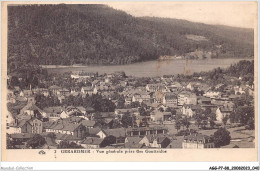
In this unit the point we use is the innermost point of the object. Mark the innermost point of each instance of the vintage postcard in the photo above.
(129, 81)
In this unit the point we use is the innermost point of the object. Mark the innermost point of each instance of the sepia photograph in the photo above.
(129, 77)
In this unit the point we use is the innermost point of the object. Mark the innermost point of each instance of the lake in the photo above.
(151, 68)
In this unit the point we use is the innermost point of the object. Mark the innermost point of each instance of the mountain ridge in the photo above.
(98, 34)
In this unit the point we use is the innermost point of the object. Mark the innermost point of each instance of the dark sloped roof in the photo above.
(73, 119)
(88, 123)
(176, 143)
(21, 135)
(134, 139)
(158, 137)
(93, 131)
(22, 123)
(62, 125)
(54, 109)
(133, 145)
(225, 109)
(197, 137)
(118, 132)
(92, 141)
(67, 137)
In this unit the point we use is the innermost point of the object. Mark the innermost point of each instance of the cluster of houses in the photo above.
(81, 126)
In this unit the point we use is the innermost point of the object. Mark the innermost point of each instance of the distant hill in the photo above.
(97, 34)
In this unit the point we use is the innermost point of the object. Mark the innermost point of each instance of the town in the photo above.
(79, 109)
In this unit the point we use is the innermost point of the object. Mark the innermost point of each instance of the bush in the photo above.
(221, 137)
(36, 141)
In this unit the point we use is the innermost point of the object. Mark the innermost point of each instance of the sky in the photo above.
(238, 14)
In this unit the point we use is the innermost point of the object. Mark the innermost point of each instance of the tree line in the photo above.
(97, 34)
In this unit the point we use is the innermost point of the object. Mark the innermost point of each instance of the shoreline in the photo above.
(137, 63)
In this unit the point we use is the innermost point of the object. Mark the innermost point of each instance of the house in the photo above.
(73, 119)
(156, 141)
(54, 89)
(170, 100)
(133, 142)
(9, 118)
(222, 112)
(203, 87)
(82, 109)
(72, 111)
(87, 90)
(142, 121)
(109, 95)
(197, 141)
(77, 130)
(204, 100)
(176, 142)
(239, 90)
(82, 74)
(193, 85)
(190, 110)
(61, 98)
(212, 94)
(26, 93)
(158, 116)
(121, 112)
(20, 99)
(20, 126)
(157, 97)
(54, 112)
(37, 126)
(17, 89)
(92, 143)
(74, 90)
(220, 86)
(43, 91)
(95, 82)
(175, 86)
(20, 139)
(93, 131)
(187, 98)
(63, 92)
(141, 97)
(142, 131)
(128, 101)
(250, 91)
(10, 96)
(32, 110)
(145, 141)
(68, 137)
(154, 87)
(89, 110)
(103, 88)
(156, 106)
(118, 133)
(89, 123)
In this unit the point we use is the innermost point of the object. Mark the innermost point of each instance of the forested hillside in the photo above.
(97, 34)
